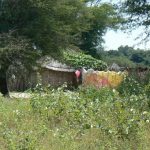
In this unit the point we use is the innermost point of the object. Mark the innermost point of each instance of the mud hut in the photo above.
(56, 73)
(49, 72)
(114, 67)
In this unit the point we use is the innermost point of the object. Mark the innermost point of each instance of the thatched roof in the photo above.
(114, 67)
(52, 64)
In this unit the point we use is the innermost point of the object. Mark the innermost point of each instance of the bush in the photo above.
(79, 60)
(147, 90)
(90, 108)
(130, 87)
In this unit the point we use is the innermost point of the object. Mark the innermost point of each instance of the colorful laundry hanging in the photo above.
(102, 79)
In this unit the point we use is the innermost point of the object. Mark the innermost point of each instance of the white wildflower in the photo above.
(110, 131)
(114, 90)
(145, 112)
(131, 109)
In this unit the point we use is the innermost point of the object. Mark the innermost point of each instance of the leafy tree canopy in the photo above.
(127, 56)
(137, 15)
(49, 24)
(104, 16)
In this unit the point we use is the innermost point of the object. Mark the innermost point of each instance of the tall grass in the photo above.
(86, 119)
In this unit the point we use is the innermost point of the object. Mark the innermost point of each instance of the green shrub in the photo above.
(130, 86)
(91, 108)
(147, 90)
(79, 60)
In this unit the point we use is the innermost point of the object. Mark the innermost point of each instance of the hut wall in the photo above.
(22, 82)
(57, 78)
(141, 74)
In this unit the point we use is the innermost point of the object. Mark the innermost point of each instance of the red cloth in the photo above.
(77, 73)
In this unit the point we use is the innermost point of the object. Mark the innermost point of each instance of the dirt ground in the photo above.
(20, 95)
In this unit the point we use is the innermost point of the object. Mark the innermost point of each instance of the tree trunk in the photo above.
(3, 84)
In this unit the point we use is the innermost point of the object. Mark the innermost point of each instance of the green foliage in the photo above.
(48, 24)
(130, 87)
(86, 110)
(127, 56)
(147, 89)
(136, 9)
(16, 51)
(137, 12)
(84, 119)
(103, 17)
(120, 60)
(79, 60)
(15, 126)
